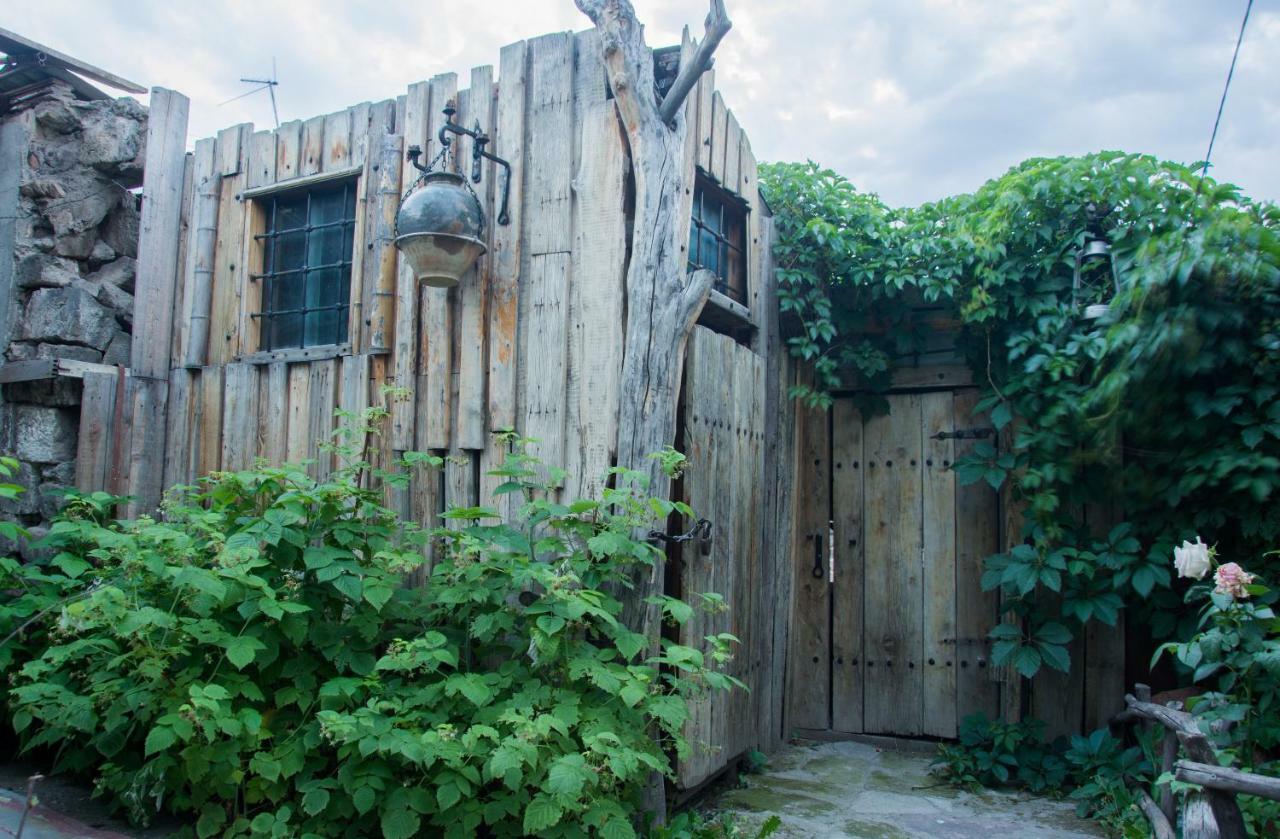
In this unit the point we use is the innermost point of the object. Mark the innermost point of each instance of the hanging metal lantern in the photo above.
(440, 223)
(439, 228)
(1094, 257)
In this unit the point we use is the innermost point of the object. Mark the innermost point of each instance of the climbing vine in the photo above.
(1166, 407)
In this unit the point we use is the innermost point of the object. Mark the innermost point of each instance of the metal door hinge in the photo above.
(964, 434)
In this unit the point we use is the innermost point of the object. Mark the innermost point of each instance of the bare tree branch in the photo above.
(716, 26)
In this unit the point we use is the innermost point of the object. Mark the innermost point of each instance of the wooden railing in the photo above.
(1212, 812)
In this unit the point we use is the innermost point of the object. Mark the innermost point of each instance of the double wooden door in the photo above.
(891, 621)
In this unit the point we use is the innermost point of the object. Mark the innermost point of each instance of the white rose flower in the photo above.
(1192, 559)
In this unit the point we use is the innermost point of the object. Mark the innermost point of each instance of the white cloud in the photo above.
(944, 93)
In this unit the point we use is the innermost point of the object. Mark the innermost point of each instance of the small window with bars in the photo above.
(306, 258)
(717, 237)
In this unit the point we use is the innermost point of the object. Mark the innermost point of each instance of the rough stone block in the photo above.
(68, 315)
(44, 435)
(58, 392)
(51, 498)
(101, 254)
(28, 502)
(109, 141)
(39, 270)
(75, 352)
(119, 350)
(60, 473)
(120, 230)
(120, 272)
(76, 245)
(119, 300)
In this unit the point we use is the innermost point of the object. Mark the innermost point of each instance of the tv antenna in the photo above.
(268, 85)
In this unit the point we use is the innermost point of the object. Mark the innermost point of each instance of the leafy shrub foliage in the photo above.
(256, 660)
(1097, 769)
(1168, 405)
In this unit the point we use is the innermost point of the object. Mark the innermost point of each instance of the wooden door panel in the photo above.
(938, 521)
(847, 677)
(893, 640)
(977, 611)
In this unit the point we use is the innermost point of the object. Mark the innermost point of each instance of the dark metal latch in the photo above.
(965, 434)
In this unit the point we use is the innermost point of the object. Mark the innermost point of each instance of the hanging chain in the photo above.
(442, 158)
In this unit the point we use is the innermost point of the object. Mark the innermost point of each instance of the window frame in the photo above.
(738, 210)
(263, 202)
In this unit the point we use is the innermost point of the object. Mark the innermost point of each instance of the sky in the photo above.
(911, 99)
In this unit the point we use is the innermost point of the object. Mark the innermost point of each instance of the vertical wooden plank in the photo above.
(505, 262)
(893, 641)
(810, 661)
(757, 256)
(288, 150)
(178, 444)
(509, 142)
(405, 354)
(273, 417)
(93, 446)
(846, 617)
(435, 332)
(599, 256)
(180, 331)
(354, 397)
(470, 337)
(158, 234)
(939, 527)
(706, 118)
(459, 483)
(231, 149)
(1013, 519)
(148, 402)
(250, 328)
(719, 129)
(262, 159)
(977, 611)
(337, 141)
(311, 154)
(695, 570)
(209, 421)
(362, 116)
(229, 276)
(379, 266)
(298, 440)
(203, 238)
(239, 416)
(732, 159)
(320, 417)
(548, 234)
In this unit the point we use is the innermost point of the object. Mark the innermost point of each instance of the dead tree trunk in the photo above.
(663, 298)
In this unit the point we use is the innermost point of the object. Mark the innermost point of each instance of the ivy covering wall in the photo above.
(1166, 406)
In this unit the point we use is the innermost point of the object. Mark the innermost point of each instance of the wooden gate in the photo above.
(906, 631)
(723, 420)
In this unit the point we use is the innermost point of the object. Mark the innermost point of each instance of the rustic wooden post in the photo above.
(157, 282)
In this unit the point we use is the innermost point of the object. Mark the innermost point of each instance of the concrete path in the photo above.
(857, 790)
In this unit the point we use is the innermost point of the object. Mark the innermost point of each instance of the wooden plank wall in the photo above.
(724, 439)
(528, 341)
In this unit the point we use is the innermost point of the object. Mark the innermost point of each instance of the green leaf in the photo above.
(241, 651)
(617, 828)
(400, 823)
(551, 624)
(364, 798)
(541, 813)
(566, 776)
(158, 739)
(314, 802)
(349, 585)
(447, 795)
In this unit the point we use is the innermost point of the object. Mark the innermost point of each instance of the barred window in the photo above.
(307, 265)
(717, 236)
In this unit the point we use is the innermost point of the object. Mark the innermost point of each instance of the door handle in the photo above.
(818, 570)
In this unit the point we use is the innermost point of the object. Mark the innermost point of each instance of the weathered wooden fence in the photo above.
(530, 341)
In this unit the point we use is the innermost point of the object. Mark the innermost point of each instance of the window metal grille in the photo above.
(717, 236)
(307, 252)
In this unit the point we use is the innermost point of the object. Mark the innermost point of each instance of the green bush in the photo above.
(255, 660)
(1166, 407)
(1096, 769)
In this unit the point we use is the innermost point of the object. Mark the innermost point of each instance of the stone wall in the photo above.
(75, 245)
